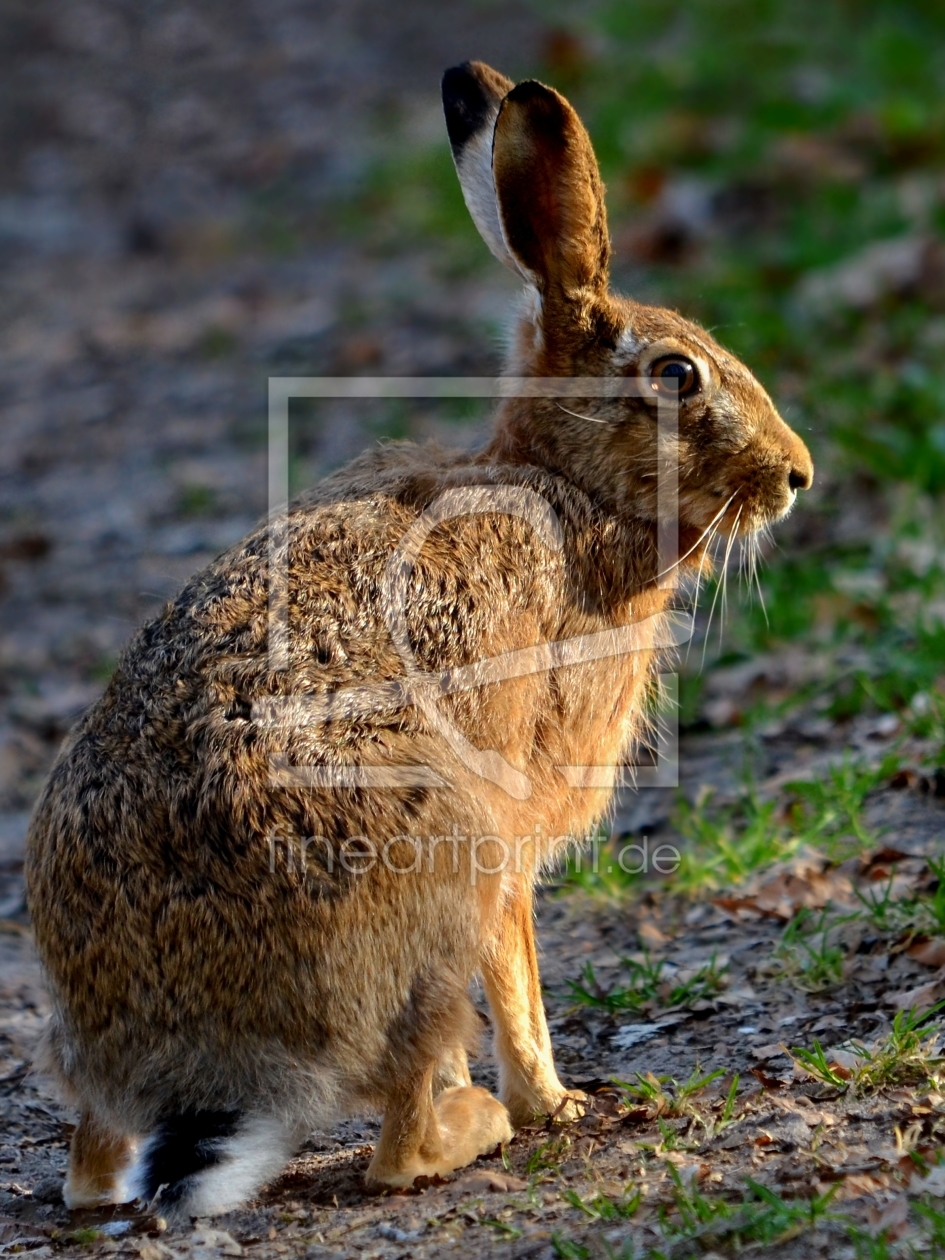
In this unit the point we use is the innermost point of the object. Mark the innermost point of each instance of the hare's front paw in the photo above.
(560, 1105)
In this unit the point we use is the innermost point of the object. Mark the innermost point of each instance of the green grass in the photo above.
(194, 500)
(762, 1218)
(905, 1056)
(602, 1207)
(877, 611)
(724, 844)
(720, 845)
(647, 981)
(828, 812)
(85, 1237)
(549, 1156)
(920, 914)
(809, 953)
(697, 1224)
(663, 1098)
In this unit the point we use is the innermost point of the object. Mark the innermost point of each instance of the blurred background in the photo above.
(195, 196)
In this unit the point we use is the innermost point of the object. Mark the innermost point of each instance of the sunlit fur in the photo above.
(199, 975)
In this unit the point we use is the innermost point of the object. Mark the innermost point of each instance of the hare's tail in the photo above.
(202, 1163)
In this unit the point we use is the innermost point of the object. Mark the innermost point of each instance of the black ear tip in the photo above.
(466, 103)
(530, 92)
(454, 76)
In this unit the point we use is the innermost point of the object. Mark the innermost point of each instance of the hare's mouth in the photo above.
(730, 540)
(737, 523)
(738, 512)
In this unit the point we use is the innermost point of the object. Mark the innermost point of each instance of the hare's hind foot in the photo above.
(100, 1162)
(423, 1137)
(452, 1070)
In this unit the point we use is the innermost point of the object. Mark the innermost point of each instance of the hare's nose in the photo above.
(797, 463)
(800, 478)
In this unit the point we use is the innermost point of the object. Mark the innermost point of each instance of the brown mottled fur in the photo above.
(193, 964)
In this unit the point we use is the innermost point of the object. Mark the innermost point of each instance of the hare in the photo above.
(262, 884)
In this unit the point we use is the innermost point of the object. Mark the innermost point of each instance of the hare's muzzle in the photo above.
(789, 468)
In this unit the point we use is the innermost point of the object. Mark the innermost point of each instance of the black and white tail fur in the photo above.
(202, 1163)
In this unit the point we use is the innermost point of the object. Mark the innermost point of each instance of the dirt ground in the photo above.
(141, 319)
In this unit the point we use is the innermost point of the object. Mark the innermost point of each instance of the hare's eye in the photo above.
(674, 377)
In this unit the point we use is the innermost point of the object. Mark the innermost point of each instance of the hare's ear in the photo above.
(549, 192)
(472, 95)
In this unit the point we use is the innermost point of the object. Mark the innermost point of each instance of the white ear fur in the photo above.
(474, 168)
(472, 96)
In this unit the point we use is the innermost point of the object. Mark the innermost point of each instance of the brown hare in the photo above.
(260, 888)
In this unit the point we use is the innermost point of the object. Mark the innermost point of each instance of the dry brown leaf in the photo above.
(888, 853)
(932, 1183)
(216, 1241)
(845, 1062)
(650, 935)
(13, 1231)
(769, 1080)
(902, 779)
(809, 1114)
(856, 1185)
(891, 1219)
(741, 909)
(764, 1053)
(922, 997)
(689, 1172)
(149, 1250)
(931, 952)
(806, 881)
(483, 1180)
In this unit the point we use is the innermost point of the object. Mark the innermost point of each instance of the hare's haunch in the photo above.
(260, 881)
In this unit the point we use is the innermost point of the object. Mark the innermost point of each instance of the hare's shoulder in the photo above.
(455, 551)
(438, 520)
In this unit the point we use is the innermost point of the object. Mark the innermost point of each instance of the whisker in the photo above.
(589, 419)
(728, 551)
(757, 577)
(698, 587)
(718, 516)
(723, 580)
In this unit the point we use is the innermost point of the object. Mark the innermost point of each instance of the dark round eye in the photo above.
(674, 377)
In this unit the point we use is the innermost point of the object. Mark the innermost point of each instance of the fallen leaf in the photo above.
(890, 1220)
(921, 998)
(932, 1183)
(808, 1113)
(845, 1061)
(217, 1240)
(150, 1250)
(885, 267)
(902, 779)
(884, 855)
(484, 1180)
(650, 935)
(14, 1232)
(774, 1051)
(768, 1079)
(930, 952)
(856, 1185)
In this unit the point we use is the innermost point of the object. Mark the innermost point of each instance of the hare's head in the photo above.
(531, 182)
